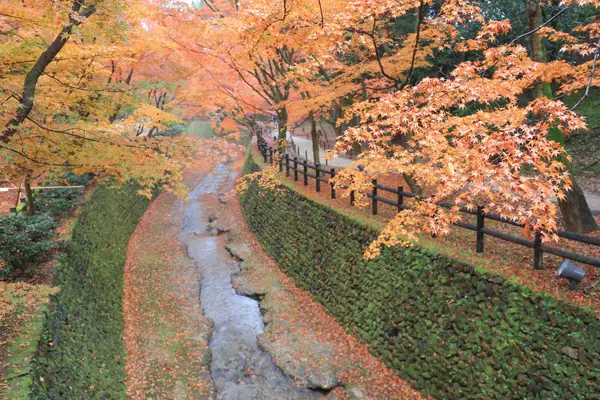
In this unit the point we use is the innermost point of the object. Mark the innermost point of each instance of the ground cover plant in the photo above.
(81, 352)
(454, 330)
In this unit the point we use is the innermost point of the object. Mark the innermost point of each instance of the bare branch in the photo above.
(589, 83)
(416, 47)
(562, 10)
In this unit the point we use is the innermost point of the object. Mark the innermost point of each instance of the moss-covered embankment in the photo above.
(81, 352)
(455, 331)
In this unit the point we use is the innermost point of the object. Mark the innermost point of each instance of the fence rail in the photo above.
(297, 166)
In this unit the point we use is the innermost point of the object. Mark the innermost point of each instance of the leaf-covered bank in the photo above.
(81, 351)
(22, 308)
(453, 330)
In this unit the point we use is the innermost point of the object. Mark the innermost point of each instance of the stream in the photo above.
(239, 368)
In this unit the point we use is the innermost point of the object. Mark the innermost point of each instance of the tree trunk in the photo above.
(577, 216)
(575, 211)
(412, 184)
(315, 140)
(152, 131)
(32, 77)
(29, 196)
(282, 116)
(535, 18)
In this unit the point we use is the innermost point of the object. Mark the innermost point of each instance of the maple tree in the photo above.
(474, 132)
(445, 94)
(574, 208)
(89, 86)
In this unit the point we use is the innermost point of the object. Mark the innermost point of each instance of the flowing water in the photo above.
(239, 368)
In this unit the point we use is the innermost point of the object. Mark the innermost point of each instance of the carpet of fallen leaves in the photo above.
(506, 258)
(166, 334)
(21, 317)
(293, 316)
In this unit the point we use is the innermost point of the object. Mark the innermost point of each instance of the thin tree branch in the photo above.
(69, 132)
(376, 49)
(589, 83)
(322, 18)
(416, 47)
(562, 10)
(80, 88)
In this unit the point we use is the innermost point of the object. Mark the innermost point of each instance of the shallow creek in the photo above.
(239, 368)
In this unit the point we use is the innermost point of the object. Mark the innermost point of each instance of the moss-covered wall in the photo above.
(81, 354)
(453, 331)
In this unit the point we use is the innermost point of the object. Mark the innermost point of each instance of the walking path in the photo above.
(305, 147)
(594, 203)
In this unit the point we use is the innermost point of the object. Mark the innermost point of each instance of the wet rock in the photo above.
(241, 251)
(218, 226)
(244, 288)
(305, 359)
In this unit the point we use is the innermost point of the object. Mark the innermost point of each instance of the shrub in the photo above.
(23, 239)
(61, 201)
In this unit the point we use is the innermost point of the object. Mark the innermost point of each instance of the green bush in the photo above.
(81, 352)
(452, 330)
(23, 239)
(61, 201)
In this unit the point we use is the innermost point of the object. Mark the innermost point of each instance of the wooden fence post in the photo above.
(332, 186)
(352, 198)
(374, 195)
(280, 163)
(305, 171)
(480, 234)
(295, 168)
(317, 174)
(271, 155)
(287, 164)
(537, 251)
(400, 198)
(264, 153)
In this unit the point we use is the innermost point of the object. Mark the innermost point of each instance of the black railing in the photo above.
(303, 167)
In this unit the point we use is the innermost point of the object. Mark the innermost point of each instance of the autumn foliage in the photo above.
(91, 86)
(471, 133)
(445, 94)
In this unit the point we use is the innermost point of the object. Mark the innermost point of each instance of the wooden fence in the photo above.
(297, 166)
